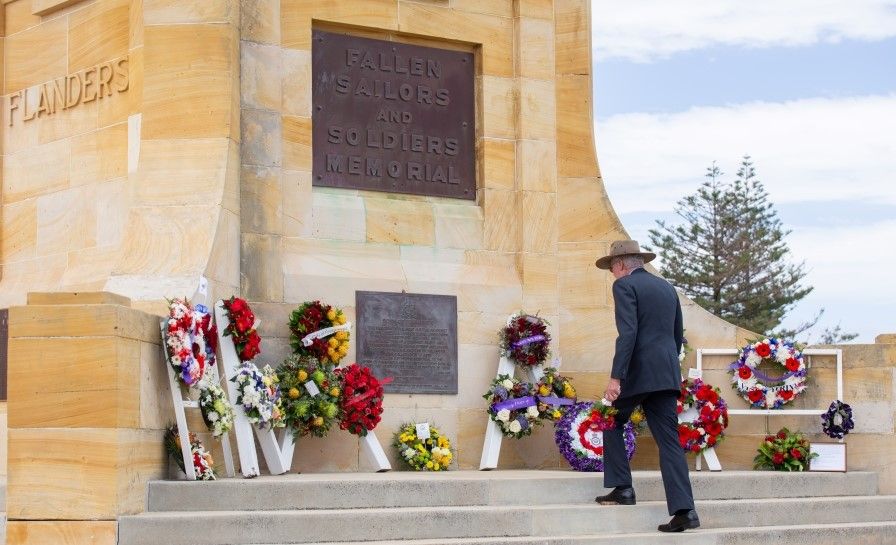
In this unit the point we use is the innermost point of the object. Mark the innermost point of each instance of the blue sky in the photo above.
(806, 88)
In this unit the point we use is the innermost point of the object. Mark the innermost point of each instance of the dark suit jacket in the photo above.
(648, 319)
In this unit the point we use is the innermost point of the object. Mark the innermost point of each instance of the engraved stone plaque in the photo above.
(395, 117)
(410, 337)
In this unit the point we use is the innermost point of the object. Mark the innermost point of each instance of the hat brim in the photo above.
(604, 262)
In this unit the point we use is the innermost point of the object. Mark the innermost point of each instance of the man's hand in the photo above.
(613, 390)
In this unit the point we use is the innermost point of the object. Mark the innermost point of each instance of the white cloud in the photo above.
(811, 149)
(647, 29)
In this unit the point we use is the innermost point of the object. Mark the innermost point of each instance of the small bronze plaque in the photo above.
(393, 117)
(410, 337)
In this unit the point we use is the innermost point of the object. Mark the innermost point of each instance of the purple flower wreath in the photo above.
(837, 421)
(579, 448)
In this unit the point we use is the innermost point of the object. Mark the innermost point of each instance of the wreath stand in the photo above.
(181, 404)
(491, 446)
(276, 447)
(712, 461)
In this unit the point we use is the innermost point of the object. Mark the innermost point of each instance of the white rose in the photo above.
(408, 453)
(503, 415)
(782, 356)
(753, 359)
(213, 416)
(532, 412)
(515, 427)
(507, 383)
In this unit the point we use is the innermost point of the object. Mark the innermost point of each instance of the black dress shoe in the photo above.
(619, 496)
(686, 520)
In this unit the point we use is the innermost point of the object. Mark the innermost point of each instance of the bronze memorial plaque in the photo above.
(411, 337)
(393, 117)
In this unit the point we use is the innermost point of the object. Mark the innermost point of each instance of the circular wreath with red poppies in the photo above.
(764, 391)
(362, 399)
(312, 318)
(579, 435)
(190, 341)
(525, 340)
(702, 416)
(242, 329)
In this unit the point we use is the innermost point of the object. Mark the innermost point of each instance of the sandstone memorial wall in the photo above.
(293, 150)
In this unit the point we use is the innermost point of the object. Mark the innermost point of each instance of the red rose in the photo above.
(796, 453)
(782, 435)
(769, 438)
(763, 350)
(744, 372)
(755, 395)
(713, 428)
(695, 448)
(237, 305)
(706, 410)
(778, 458)
(711, 440)
(786, 395)
(792, 364)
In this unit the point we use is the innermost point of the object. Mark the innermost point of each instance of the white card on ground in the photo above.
(831, 457)
(423, 431)
(312, 388)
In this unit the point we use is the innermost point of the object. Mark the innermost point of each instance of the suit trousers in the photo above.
(662, 418)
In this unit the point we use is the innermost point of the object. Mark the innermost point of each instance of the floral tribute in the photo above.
(319, 330)
(761, 390)
(216, 410)
(242, 329)
(512, 405)
(579, 434)
(311, 395)
(202, 459)
(525, 340)
(556, 395)
(784, 451)
(432, 454)
(702, 416)
(362, 399)
(837, 422)
(258, 395)
(190, 341)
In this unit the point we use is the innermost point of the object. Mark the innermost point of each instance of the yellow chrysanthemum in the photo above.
(342, 335)
(331, 314)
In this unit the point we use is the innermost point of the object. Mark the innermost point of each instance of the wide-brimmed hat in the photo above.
(622, 248)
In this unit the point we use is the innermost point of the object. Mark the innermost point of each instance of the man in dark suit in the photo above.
(646, 372)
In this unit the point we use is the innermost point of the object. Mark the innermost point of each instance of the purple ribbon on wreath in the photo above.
(514, 404)
(554, 400)
(527, 340)
(765, 378)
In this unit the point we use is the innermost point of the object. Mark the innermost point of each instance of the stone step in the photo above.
(482, 521)
(406, 489)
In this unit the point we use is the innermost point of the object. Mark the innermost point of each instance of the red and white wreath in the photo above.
(764, 391)
(702, 416)
(190, 339)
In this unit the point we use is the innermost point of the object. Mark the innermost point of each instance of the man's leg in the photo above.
(617, 472)
(662, 417)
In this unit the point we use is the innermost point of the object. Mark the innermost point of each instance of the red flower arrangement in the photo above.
(325, 329)
(703, 416)
(242, 329)
(784, 451)
(361, 400)
(525, 340)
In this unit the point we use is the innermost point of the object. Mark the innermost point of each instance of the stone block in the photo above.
(66, 123)
(540, 225)
(573, 36)
(158, 241)
(588, 338)
(65, 220)
(156, 409)
(501, 8)
(61, 532)
(296, 193)
(703, 329)
(580, 209)
(201, 105)
(537, 165)
(36, 55)
(499, 163)
(19, 230)
(86, 473)
(40, 170)
(296, 82)
(84, 298)
(536, 49)
(339, 452)
(117, 108)
(296, 16)
(296, 142)
(172, 12)
(112, 204)
(88, 268)
(541, 291)
(540, 9)
(17, 16)
(261, 267)
(97, 34)
(260, 74)
(537, 119)
(260, 21)
(223, 262)
(136, 24)
(261, 201)
(479, 327)
(500, 220)
(494, 33)
(457, 225)
(399, 221)
(576, 157)
(503, 294)
(261, 138)
(337, 215)
(185, 171)
(500, 107)
(99, 156)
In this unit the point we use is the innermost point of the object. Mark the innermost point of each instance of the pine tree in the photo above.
(729, 254)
